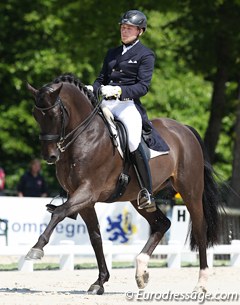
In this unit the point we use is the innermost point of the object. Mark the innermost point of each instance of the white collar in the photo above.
(125, 49)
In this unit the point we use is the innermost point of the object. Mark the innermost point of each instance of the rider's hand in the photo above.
(89, 87)
(111, 91)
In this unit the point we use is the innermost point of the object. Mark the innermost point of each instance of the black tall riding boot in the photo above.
(141, 166)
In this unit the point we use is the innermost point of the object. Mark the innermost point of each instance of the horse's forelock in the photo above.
(41, 96)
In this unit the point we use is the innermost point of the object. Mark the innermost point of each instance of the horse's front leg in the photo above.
(90, 218)
(83, 197)
(71, 206)
(78, 201)
(36, 252)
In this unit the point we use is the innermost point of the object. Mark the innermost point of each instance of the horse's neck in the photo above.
(79, 108)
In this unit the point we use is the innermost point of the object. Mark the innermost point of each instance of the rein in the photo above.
(75, 132)
(79, 129)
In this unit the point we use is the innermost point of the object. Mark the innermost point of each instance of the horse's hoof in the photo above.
(142, 275)
(95, 289)
(199, 289)
(142, 280)
(34, 253)
(51, 207)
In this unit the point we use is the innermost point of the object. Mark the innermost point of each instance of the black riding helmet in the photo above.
(134, 17)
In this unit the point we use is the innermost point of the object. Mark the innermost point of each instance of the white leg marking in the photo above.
(142, 274)
(202, 281)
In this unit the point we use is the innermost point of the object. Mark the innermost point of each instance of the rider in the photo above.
(124, 78)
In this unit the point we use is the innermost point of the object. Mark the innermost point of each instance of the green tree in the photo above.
(212, 49)
(28, 51)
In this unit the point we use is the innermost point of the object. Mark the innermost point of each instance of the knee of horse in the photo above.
(95, 238)
(167, 223)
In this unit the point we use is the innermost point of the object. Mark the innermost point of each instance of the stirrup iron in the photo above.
(144, 201)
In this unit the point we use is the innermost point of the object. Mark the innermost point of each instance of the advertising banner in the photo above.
(27, 219)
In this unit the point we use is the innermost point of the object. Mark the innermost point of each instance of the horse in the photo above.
(75, 138)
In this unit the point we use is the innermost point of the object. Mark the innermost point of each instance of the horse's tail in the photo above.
(211, 199)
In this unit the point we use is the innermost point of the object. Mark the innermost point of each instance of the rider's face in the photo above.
(129, 33)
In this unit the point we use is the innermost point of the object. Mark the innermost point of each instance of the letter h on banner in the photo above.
(181, 215)
(180, 221)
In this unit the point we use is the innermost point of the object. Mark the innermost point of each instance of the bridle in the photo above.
(64, 140)
(64, 115)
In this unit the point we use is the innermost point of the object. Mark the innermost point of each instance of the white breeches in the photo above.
(126, 112)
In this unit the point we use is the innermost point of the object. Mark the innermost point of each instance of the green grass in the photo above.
(41, 266)
(116, 265)
(8, 267)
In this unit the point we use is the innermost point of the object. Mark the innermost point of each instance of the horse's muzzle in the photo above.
(50, 153)
(52, 159)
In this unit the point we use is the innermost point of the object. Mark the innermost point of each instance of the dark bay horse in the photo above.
(74, 137)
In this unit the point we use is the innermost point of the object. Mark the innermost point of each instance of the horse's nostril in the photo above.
(53, 158)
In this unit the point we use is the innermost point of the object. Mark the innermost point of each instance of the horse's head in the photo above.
(50, 114)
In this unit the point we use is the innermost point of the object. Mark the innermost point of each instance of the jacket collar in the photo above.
(126, 48)
(130, 53)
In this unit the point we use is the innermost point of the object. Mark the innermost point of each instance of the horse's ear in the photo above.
(56, 91)
(32, 90)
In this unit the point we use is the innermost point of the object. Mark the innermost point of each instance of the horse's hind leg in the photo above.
(199, 240)
(159, 224)
(90, 218)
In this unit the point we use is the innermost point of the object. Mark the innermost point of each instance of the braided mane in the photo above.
(72, 79)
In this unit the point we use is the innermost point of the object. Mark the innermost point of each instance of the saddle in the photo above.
(119, 137)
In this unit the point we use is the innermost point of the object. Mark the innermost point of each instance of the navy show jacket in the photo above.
(132, 71)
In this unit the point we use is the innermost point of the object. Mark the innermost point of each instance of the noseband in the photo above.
(62, 138)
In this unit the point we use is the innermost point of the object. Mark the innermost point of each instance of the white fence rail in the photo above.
(66, 253)
(17, 227)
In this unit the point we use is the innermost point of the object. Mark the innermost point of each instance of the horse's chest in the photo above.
(69, 175)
